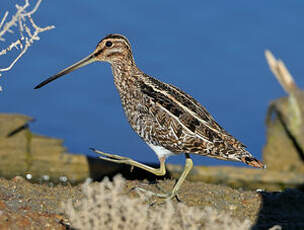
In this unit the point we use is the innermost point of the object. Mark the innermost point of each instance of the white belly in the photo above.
(160, 151)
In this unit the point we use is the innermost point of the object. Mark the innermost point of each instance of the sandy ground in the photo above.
(24, 205)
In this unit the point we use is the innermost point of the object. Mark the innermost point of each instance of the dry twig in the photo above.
(28, 31)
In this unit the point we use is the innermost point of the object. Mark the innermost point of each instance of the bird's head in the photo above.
(114, 48)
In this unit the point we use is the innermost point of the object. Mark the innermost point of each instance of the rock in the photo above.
(44, 159)
(26, 154)
(236, 177)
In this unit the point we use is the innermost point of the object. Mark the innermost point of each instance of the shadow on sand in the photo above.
(281, 208)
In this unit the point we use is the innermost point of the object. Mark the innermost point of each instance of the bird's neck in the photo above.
(125, 74)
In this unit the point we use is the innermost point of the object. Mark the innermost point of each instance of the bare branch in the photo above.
(3, 19)
(28, 31)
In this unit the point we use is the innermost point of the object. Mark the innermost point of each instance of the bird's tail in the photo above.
(250, 160)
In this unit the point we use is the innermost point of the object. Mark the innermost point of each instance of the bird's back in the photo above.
(163, 115)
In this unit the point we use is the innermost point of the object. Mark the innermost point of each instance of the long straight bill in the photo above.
(81, 63)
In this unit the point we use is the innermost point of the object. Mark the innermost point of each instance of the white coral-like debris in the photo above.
(105, 206)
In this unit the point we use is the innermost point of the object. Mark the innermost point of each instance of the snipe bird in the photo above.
(169, 120)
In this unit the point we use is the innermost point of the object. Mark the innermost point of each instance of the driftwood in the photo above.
(284, 150)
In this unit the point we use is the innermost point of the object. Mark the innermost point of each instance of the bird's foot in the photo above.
(165, 196)
(112, 157)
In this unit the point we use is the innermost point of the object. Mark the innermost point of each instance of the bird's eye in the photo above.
(108, 44)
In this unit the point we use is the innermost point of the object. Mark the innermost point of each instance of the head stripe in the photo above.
(117, 36)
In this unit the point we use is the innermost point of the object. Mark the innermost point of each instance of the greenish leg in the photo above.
(173, 193)
(161, 171)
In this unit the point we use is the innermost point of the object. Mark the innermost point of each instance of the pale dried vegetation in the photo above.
(23, 26)
(105, 206)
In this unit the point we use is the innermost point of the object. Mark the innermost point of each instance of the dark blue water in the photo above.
(213, 50)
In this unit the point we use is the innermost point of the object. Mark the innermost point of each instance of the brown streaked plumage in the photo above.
(169, 120)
